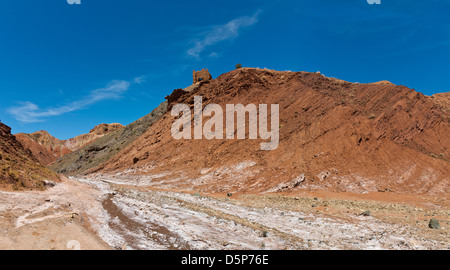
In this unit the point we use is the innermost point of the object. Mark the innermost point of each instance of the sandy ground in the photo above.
(53, 219)
(121, 213)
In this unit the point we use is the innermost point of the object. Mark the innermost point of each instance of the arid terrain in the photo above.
(122, 213)
(334, 135)
(359, 166)
(47, 149)
(19, 169)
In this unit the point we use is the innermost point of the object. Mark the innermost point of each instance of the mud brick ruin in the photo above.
(202, 76)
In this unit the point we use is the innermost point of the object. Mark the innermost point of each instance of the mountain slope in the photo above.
(334, 135)
(103, 149)
(44, 154)
(443, 99)
(48, 149)
(18, 168)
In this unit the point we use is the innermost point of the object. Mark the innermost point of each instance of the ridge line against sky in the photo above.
(66, 68)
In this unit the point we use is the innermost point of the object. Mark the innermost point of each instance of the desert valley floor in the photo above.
(119, 212)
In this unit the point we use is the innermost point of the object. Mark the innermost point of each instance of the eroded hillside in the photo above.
(106, 147)
(18, 168)
(47, 149)
(334, 135)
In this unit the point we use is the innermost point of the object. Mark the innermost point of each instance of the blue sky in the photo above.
(66, 68)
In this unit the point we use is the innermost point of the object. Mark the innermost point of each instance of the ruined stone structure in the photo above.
(202, 76)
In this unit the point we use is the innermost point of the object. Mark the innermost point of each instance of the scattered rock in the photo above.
(49, 183)
(205, 171)
(292, 184)
(366, 213)
(434, 224)
(324, 175)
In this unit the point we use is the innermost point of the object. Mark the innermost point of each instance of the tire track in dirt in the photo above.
(152, 231)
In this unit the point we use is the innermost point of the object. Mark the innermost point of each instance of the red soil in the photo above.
(343, 137)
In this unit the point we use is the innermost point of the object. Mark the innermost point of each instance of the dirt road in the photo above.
(114, 213)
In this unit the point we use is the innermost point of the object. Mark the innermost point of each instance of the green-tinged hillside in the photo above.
(103, 149)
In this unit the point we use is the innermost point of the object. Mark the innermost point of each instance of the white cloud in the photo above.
(220, 33)
(214, 55)
(139, 80)
(30, 113)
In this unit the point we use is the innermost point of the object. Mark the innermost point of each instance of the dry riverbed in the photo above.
(110, 213)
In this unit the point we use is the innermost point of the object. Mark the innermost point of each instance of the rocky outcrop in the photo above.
(443, 100)
(95, 133)
(201, 76)
(104, 129)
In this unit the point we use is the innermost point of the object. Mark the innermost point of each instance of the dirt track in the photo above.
(111, 214)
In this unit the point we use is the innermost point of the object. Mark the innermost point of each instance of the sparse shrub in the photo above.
(13, 175)
(238, 66)
(135, 160)
(40, 185)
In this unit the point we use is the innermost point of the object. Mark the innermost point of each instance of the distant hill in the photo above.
(102, 149)
(48, 149)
